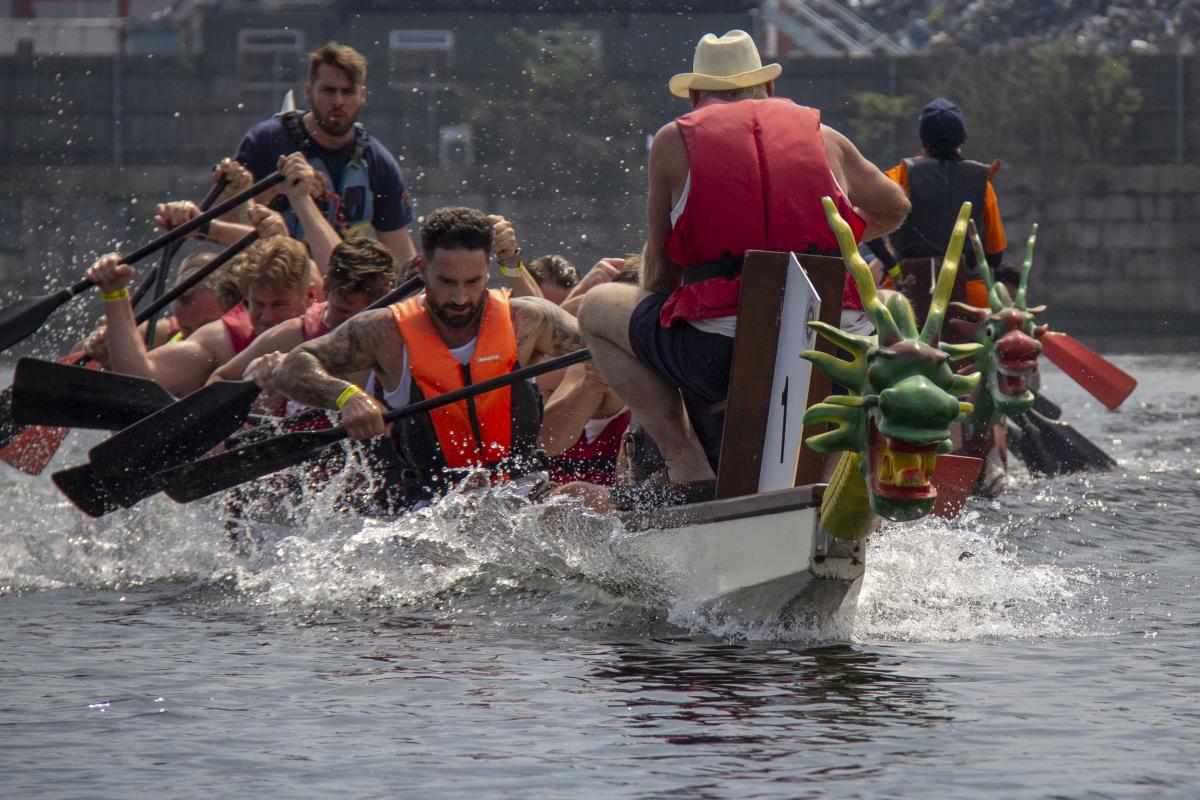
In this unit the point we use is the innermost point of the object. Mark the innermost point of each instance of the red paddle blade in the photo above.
(32, 450)
(1103, 379)
(954, 477)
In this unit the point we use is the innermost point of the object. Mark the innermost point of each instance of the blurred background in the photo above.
(541, 110)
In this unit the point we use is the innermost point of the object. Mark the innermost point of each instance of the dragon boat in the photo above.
(762, 550)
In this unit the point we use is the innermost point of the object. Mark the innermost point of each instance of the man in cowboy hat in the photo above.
(743, 171)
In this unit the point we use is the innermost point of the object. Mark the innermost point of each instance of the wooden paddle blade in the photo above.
(83, 488)
(210, 475)
(32, 450)
(180, 432)
(954, 478)
(50, 393)
(1054, 447)
(1103, 379)
(27, 315)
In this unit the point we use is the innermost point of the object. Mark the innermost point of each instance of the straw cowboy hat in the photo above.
(730, 62)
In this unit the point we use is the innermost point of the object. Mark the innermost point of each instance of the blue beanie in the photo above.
(941, 121)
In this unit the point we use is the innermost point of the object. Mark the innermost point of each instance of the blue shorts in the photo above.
(689, 358)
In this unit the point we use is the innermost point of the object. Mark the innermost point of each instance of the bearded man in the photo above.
(456, 332)
(363, 193)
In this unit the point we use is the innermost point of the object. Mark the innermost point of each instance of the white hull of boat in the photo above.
(758, 558)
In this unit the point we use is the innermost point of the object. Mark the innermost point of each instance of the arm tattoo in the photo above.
(309, 374)
(552, 331)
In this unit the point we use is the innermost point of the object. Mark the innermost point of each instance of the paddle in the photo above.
(9, 427)
(30, 448)
(27, 315)
(213, 474)
(123, 465)
(1053, 447)
(201, 420)
(33, 447)
(1046, 407)
(954, 478)
(50, 393)
(1103, 379)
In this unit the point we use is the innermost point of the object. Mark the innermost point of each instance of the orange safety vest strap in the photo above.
(476, 430)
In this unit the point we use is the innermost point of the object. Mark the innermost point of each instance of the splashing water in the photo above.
(956, 580)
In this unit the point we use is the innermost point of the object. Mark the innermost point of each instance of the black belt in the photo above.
(729, 267)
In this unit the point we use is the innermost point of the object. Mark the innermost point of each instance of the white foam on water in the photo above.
(491, 536)
(929, 581)
(959, 580)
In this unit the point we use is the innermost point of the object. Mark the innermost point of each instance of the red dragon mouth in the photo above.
(1013, 381)
(901, 470)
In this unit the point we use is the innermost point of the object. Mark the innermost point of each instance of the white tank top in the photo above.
(402, 394)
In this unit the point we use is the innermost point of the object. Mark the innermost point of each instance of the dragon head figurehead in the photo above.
(903, 395)
(1007, 333)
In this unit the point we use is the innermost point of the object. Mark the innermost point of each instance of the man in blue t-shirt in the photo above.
(364, 192)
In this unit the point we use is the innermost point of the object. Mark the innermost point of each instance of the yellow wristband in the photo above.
(346, 394)
(513, 273)
(119, 294)
(894, 271)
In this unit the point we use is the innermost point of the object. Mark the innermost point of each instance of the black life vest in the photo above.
(937, 190)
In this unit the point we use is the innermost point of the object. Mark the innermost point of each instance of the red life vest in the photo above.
(240, 328)
(758, 173)
(312, 322)
(477, 430)
(594, 461)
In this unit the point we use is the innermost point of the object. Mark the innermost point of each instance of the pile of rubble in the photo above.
(1084, 26)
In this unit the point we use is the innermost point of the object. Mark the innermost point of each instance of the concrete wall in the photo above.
(1117, 247)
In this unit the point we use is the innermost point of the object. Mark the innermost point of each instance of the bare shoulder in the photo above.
(542, 327)
(213, 337)
(667, 149)
(283, 337)
(357, 343)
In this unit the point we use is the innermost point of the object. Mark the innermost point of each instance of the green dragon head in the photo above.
(903, 393)
(1007, 333)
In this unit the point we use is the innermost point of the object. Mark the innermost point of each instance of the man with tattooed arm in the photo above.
(455, 333)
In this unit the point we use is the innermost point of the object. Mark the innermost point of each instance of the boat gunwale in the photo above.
(725, 510)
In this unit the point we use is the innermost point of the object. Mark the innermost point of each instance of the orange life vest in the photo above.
(477, 430)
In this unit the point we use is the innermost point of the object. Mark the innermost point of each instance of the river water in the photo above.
(1045, 644)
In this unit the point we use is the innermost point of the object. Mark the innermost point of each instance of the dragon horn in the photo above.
(1026, 268)
(984, 267)
(861, 273)
(945, 283)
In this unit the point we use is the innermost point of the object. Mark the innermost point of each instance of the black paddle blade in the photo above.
(1047, 407)
(50, 393)
(83, 488)
(27, 315)
(1052, 447)
(223, 471)
(180, 432)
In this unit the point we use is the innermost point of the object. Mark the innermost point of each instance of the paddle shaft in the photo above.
(187, 283)
(159, 279)
(322, 439)
(181, 231)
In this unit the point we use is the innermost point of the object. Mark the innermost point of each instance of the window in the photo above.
(270, 60)
(568, 42)
(420, 59)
